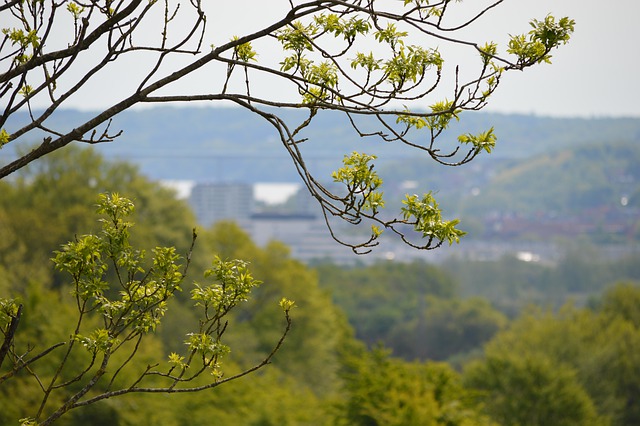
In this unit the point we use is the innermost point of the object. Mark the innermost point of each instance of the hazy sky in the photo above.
(596, 74)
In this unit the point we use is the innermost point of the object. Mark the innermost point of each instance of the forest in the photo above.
(503, 342)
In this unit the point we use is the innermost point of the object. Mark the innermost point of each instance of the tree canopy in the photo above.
(360, 57)
(577, 366)
(574, 366)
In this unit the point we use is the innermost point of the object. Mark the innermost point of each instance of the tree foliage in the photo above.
(530, 390)
(357, 57)
(573, 364)
(412, 308)
(53, 199)
(114, 319)
(385, 391)
(579, 366)
(311, 353)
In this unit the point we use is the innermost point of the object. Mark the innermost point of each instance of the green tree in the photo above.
(531, 390)
(386, 391)
(412, 308)
(350, 57)
(613, 373)
(55, 198)
(622, 301)
(111, 322)
(302, 377)
(508, 283)
(447, 328)
(303, 380)
(49, 59)
(379, 297)
(596, 348)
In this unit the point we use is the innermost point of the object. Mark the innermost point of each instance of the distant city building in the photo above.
(304, 203)
(213, 202)
(305, 234)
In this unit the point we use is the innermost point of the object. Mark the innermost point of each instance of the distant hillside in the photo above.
(590, 189)
(548, 178)
(568, 181)
(229, 144)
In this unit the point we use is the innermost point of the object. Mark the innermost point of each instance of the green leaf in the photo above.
(98, 341)
(286, 304)
(412, 120)
(368, 62)
(4, 138)
(8, 311)
(233, 284)
(390, 35)
(297, 37)
(349, 29)
(441, 115)
(362, 181)
(244, 52)
(75, 10)
(482, 141)
(411, 63)
(488, 51)
(426, 218)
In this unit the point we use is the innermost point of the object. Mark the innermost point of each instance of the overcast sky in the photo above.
(595, 75)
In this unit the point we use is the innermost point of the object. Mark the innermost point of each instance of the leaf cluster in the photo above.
(362, 182)
(546, 35)
(426, 218)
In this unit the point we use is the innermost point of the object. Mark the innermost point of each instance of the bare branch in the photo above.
(9, 335)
